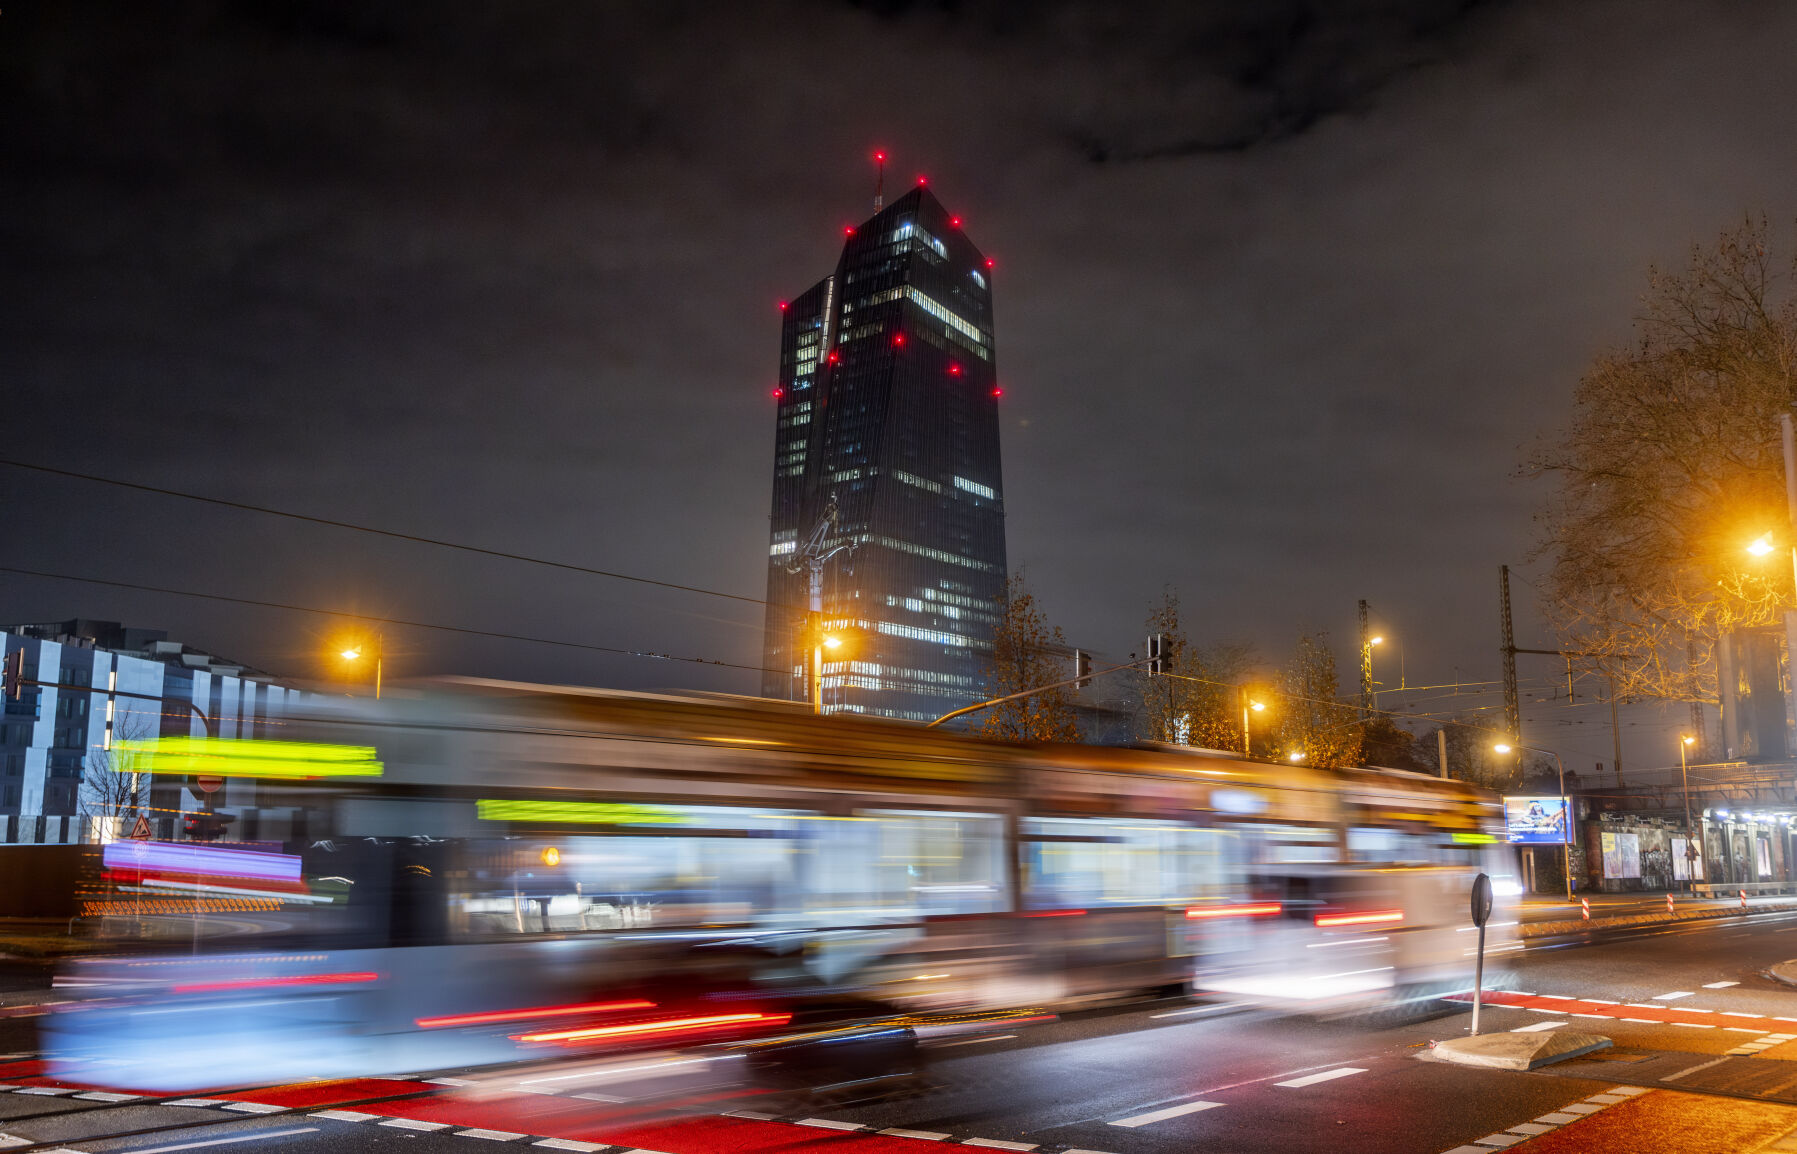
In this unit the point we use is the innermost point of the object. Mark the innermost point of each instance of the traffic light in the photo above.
(14, 675)
(205, 824)
(1157, 654)
(1082, 669)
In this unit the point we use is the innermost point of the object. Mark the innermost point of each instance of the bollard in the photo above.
(1669, 908)
(1743, 899)
(1585, 908)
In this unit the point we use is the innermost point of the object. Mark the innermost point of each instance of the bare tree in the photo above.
(1312, 723)
(115, 786)
(1200, 705)
(1026, 653)
(1670, 467)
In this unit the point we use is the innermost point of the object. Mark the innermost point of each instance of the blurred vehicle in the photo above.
(498, 871)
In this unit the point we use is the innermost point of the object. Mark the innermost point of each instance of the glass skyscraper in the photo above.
(888, 416)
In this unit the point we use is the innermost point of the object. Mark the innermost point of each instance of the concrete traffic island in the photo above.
(1511, 1051)
(1785, 972)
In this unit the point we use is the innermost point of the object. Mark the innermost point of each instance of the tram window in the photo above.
(735, 865)
(928, 862)
(1291, 844)
(1114, 861)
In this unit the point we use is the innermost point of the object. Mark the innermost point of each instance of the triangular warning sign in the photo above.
(141, 831)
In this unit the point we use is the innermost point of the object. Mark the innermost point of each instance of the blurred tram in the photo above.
(530, 870)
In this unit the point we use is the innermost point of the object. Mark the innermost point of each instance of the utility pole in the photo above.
(1615, 730)
(1366, 665)
(819, 551)
(1790, 448)
(1698, 725)
(1512, 706)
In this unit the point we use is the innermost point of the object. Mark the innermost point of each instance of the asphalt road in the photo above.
(1158, 1076)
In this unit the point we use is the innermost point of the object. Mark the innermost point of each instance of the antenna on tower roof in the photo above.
(880, 182)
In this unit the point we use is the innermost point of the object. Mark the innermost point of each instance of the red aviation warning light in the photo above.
(880, 156)
(899, 340)
(848, 230)
(954, 370)
(779, 392)
(832, 358)
(988, 262)
(997, 392)
(782, 306)
(954, 222)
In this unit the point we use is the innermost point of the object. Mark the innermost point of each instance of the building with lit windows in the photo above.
(887, 408)
(91, 683)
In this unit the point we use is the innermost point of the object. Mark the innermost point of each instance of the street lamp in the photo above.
(820, 641)
(1565, 805)
(1296, 755)
(353, 654)
(1685, 741)
(1248, 705)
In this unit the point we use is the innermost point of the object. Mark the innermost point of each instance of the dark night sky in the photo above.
(1283, 290)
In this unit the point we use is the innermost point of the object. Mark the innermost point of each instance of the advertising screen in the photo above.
(1535, 820)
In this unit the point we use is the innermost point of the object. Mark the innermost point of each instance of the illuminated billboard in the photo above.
(1535, 820)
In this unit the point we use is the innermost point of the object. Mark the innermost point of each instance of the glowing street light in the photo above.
(821, 640)
(1249, 705)
(1761, 546)
(354, 653)
(1297, 755)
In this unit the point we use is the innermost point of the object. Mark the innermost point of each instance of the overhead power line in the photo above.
(411, 537)
(381, 620)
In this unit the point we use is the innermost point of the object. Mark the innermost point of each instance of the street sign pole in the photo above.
(1481, 911)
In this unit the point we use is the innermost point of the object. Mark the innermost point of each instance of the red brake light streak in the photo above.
(266, 983)
(1258, 909)
(656, 1029)
(530, 1012)
(1369, 917)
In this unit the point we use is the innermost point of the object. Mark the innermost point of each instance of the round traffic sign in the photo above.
(1481, 899)
(208, 784)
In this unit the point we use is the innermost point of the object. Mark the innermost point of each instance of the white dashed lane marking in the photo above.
(1326, 1075)
(1672, 995)
(1539, 1026)
(1163, 1115)
(826, 1124)
(1523, 1131)
(1719, 985)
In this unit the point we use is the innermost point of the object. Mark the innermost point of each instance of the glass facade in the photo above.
(888, 406)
